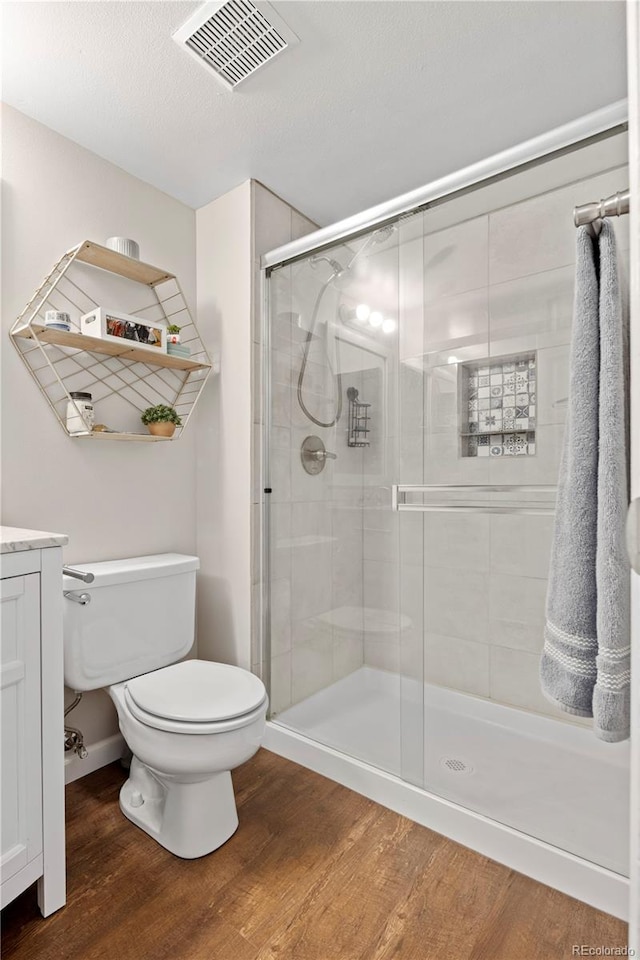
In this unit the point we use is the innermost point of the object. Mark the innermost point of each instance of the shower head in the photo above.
(338, 270)
(383, 234)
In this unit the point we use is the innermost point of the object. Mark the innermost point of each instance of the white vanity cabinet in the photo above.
(32, 711)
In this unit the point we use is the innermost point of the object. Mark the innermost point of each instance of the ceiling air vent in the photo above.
(235, 38)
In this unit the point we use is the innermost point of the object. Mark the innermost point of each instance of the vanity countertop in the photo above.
(15, 539)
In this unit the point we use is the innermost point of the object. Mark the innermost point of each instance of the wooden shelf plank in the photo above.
(99, 256)
(80, 341)
(133, 437)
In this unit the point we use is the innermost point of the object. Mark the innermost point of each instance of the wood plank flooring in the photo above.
(314, 872)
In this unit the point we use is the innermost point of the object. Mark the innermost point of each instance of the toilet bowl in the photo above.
(188, 723)
(179, 788)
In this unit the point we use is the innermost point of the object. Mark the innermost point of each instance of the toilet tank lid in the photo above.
(110, 572)
(197, 691)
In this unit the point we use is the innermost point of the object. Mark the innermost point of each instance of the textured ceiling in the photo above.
(376, 99)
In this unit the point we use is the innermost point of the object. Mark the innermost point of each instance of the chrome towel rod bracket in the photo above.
(614, 206)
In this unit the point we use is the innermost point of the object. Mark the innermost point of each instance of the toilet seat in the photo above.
(192, 728)
(196, 697)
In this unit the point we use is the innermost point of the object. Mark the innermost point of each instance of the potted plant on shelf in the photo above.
(173, 333)
(161, 420)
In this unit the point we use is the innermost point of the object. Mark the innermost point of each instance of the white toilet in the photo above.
(187, 724)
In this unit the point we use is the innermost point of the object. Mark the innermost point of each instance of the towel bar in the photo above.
(414, 497)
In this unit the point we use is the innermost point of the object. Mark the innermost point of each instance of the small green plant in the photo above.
(173, 328)
(160, 414)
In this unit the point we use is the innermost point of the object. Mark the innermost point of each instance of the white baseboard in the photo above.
(100, 754)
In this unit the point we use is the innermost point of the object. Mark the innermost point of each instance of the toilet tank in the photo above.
(140, 617)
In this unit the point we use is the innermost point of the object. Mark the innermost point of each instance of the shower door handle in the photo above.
(474, 498)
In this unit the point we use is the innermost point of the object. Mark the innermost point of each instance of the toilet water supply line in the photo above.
(73, 738)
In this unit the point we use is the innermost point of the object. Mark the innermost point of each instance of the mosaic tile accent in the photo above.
(498, 402)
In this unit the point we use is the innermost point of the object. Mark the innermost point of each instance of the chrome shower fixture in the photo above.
(339, 276)
(314, 455)
(307, 344)
(338, 270)
(383, 234)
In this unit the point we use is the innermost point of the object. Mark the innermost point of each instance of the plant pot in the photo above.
(173, 338)
(163, 429)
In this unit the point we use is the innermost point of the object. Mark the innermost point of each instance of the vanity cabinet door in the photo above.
(20, 758)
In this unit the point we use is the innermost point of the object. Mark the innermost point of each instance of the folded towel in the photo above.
(585, 664)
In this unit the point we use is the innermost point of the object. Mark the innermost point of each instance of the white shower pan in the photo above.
(544, 797)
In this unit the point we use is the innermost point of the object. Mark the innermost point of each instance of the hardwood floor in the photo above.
(315, 872)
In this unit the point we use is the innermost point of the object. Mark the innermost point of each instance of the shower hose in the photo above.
(305, 359)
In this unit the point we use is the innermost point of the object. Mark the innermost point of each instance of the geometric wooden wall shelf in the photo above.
(63, 361)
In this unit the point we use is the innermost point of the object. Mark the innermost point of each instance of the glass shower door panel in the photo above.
(496, 380)
(336, 646)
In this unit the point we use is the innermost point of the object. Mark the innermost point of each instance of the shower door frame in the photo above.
(557, 868)
(572, 136)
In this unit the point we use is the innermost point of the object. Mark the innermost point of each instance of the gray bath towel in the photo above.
(585, 668)
(612, 694)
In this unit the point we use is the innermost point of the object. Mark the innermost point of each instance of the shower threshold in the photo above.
(540, 795)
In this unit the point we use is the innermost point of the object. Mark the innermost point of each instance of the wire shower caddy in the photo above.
(359, 419)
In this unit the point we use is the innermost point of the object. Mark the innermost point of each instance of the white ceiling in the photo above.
(379, 96)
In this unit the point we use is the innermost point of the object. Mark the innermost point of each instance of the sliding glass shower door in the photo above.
(418, 377)
(485, 327)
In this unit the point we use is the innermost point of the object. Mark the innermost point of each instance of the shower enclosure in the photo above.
(416, 377)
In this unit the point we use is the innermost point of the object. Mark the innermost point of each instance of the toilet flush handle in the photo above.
(82, 598)
(78, 574)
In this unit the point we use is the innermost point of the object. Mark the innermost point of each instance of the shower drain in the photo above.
(455, 765)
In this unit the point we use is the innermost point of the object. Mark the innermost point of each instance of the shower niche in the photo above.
(498, 406)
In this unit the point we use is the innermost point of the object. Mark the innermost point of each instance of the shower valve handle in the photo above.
(314, 456)
(324, 455)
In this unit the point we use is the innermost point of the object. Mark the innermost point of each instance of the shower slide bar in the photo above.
(469, 498)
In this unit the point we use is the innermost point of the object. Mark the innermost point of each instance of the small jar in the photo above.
(80, 414)
(57, 319)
